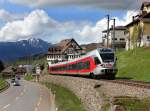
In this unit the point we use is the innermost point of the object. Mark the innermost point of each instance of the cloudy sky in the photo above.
(53, 20)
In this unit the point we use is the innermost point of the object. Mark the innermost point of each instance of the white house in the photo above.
(119, 40)
(67, 49)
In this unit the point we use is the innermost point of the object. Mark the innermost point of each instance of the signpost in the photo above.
(38, 72)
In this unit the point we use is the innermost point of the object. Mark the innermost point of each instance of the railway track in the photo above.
(132, 83)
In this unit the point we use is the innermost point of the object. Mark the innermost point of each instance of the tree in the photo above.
(42, 67)
(136, 36)
(1, 66)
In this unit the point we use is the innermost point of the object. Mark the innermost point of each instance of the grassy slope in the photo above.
(31, 61)
(29, 77)
(133, 104)
(65, 99)
(134, 64)
(2, 84)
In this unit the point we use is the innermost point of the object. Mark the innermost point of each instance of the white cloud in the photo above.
(105, 4)
(7, 16)
(39, 24)
(36, 23)
(94, 33)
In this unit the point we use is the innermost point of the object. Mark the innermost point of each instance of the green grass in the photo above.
(2, 84)
(33, 61)
(65, 99)
(133, 104)
(134, 64)
(29, 77)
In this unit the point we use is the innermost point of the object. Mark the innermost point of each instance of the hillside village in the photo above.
(133, 35)
(68, 76)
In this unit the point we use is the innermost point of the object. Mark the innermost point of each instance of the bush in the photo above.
(1, 66)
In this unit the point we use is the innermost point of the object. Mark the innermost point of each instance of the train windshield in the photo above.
(107, 57)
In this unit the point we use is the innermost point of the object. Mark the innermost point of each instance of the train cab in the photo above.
(105, 62)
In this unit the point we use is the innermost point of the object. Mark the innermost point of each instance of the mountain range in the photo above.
(10, 51)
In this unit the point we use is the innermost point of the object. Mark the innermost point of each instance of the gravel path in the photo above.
(92, 92)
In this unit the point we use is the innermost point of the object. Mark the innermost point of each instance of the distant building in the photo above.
(67, 49)
(139, 29)
(20, 71)
(7, 71)
(119, 40)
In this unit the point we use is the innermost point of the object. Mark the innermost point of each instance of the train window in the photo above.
(87, 65)
(76, 66)
(73, 67)
(67, 67)
(96, 60)
(79, 65)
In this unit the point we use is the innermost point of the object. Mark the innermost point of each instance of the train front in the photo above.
(107, 63)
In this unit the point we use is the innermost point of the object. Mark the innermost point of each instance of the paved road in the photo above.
(27, 97)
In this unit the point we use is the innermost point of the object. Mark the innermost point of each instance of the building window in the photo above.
(113, 38)
(148, 38)
(122, 39)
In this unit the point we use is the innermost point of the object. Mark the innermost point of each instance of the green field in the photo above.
(29, 77)
(2, 84)
(133, 104)
(134, 64)
(65, 99)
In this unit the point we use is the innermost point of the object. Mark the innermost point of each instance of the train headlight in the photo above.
(102, 65)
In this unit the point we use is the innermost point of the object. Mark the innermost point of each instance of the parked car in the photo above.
(18, 77)
(12, 80)
(16, 83)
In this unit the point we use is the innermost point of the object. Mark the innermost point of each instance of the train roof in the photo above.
(92, 53)
(101, 50)
(105, 50)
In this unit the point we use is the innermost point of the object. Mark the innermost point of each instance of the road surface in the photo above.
(26, 97)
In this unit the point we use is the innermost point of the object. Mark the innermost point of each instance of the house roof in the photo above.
(20, 70)
(140, 17)
(147, 15)
(145, 4)
(8, 70)
(116, 28)
(133, 22)
(60, 47)
(64, 42)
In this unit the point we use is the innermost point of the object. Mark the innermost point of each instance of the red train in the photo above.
(97, 63)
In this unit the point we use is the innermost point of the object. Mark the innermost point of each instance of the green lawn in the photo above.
(134, 64)
(65, 99)
(29, 77)
(2, 84)
(133, 104)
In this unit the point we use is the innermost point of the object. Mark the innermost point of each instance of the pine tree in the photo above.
(1, 66)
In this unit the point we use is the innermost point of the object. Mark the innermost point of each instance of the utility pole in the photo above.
(113, 44)
(108, 19)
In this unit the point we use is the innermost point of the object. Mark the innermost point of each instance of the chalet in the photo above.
(119, 40)
(7, 72)
(67, 49)
(139, 29)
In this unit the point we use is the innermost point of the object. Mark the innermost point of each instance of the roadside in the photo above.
(65, 99)
(62, 98)
(31, 78)
(97, 95)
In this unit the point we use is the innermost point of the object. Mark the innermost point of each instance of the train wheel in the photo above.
(111, 77)
(92, 76)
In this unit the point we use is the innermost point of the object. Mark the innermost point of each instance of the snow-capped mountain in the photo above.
(13, 50)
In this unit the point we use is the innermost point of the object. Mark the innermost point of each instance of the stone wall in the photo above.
(83, 89)
(93, 93)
